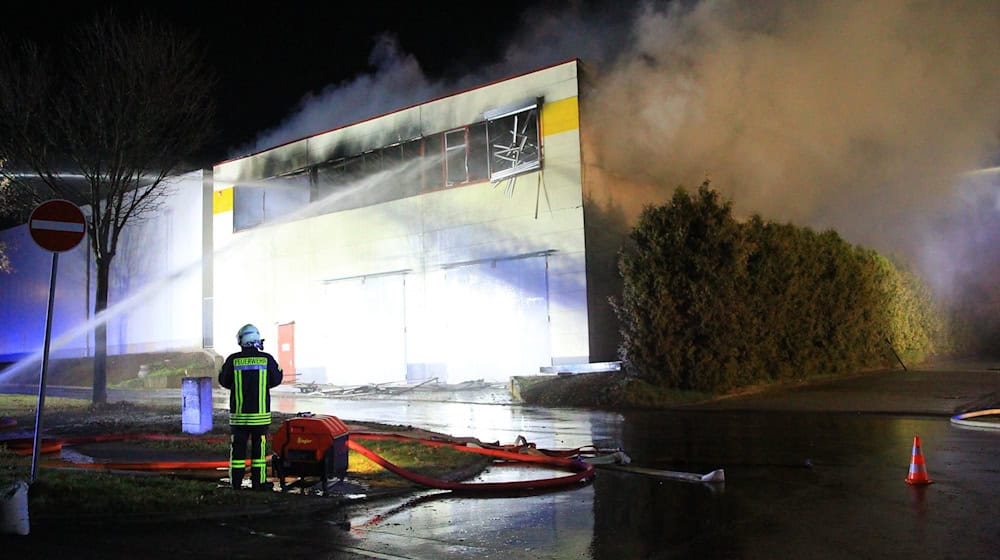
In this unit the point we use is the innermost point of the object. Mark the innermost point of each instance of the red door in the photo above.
(286, 351)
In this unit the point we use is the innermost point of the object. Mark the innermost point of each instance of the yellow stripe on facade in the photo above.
(222, 201)
(560, 116)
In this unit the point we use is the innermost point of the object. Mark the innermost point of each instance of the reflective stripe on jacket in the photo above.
(249, 375)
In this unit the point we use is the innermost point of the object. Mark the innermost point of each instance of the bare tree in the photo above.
(4, 186)
(103, 123)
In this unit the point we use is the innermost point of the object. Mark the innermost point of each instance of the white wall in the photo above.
(155, 295)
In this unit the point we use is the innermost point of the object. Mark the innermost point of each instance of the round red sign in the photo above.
(57, 225)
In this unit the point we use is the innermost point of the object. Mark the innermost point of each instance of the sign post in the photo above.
(57, 226)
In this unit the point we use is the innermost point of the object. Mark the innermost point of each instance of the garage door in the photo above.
(493, 318)
(364, 330)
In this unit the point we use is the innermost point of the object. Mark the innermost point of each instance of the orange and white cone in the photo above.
(918, 470)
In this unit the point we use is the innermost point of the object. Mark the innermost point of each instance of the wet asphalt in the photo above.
(813, 471)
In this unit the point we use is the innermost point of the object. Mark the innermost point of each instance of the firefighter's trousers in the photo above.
(257, 438)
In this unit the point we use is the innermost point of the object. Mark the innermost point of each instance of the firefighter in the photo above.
(249, 375)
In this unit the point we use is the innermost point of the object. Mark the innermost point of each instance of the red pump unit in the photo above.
(310, 445)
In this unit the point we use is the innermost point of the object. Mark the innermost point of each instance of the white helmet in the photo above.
(248, 335)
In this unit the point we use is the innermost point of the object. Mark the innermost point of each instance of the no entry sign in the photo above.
(57, 225)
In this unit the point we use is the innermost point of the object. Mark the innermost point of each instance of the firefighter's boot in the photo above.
(236, 478)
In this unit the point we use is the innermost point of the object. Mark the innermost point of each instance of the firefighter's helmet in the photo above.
(248, 335)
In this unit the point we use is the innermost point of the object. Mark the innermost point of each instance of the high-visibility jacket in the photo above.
(249, 375)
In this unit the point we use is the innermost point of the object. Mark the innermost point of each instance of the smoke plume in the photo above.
(854, 115)
(860, 116)
(398, 81)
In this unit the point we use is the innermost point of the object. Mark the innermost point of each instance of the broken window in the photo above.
(285, 195)
(467, 152)
(372, 162)
(505, 144)
(412, 168)
(270, 200)
(248, 207)
(433, 164)
(337, 183)
(456, 159)
(479, 153)
(512, 133)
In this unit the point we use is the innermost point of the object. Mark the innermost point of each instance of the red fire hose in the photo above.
(583, 470)
(49, 445)
(524, 453)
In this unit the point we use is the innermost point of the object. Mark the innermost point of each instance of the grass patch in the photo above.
(640, 394)
(442, 462)
(169, 373)
(211, 444)
(16, 406)
(97, 493)
(66, 492)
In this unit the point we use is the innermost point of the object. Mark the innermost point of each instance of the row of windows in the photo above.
(502, 146)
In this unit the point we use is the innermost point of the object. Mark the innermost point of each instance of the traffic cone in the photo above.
(918, 470)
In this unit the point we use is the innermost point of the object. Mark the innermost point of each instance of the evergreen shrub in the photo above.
(710, 303)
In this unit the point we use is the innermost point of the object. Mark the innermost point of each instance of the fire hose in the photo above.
(520, 452)
(583, 470)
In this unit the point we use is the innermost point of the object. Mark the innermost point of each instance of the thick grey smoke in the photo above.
(854, 115)
(398, 81)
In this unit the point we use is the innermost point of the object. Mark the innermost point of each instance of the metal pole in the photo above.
(45, 368)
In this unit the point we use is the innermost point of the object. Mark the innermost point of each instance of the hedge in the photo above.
(711, 304)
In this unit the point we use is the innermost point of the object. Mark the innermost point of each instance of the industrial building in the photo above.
(466, 237)
(444, 240)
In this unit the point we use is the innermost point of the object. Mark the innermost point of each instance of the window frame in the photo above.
(444, 144)
(532, 109)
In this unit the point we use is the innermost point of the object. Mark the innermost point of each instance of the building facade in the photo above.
(444, 240)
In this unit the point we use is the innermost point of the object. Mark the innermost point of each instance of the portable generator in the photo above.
(310, 445)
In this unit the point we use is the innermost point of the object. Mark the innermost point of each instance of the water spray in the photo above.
(380, 180)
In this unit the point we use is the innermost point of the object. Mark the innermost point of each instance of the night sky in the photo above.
(268, 60)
